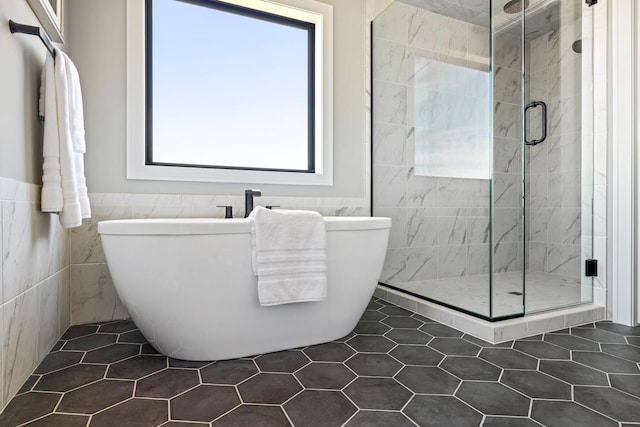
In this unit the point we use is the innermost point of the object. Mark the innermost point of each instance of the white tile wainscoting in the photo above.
(34, 283)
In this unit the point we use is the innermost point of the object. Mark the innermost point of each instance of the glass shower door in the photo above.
(558, 161)
(543, 167)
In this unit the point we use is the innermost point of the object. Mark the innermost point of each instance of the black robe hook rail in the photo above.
(14, 27)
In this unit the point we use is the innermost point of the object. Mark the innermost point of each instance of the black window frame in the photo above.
(309, 27)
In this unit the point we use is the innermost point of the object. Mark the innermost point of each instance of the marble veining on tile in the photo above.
(19, 249)
(34, 283)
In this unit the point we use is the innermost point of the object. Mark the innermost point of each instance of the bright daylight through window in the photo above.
(232, 88)
(230, 91)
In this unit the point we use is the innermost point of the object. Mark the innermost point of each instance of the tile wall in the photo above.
(34, 283)
(507, 153)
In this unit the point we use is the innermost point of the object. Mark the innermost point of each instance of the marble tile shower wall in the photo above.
(93, 295)
(555, 167)
(507, 153)
(34, 284)
(441, 225)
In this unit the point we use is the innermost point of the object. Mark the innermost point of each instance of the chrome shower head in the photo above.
(516, 6)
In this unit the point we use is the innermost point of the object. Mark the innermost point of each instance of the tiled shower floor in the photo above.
(543, 292)
(397, 369)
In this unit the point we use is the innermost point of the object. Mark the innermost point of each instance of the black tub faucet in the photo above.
(248, 200)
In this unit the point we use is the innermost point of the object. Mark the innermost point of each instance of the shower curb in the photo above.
(501, 331)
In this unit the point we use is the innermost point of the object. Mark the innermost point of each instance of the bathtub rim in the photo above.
(204, 226)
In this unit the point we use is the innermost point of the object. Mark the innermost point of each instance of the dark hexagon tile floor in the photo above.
(396, 369)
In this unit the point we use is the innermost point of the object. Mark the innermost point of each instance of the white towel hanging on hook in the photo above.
(64, 188)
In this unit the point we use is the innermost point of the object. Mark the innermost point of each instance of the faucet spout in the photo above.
(248, 200)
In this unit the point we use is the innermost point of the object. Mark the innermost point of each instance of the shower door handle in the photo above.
(535, 104)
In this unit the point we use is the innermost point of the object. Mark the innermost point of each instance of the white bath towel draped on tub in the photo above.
(289, 255)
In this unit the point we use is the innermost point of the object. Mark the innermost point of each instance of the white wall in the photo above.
(22, 56)
(34, 267)
(97, 44)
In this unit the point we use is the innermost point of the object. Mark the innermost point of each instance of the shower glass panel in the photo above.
(433, 148)
(482, 151)
(508, 245)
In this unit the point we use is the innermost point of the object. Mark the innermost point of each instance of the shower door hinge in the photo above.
(591, 267)
(591, 2)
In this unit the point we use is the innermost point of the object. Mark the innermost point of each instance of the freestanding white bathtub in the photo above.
(189, 286)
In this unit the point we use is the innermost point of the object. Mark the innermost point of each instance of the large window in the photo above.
(234, 91)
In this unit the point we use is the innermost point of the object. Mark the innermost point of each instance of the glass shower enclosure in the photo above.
(482, 152)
